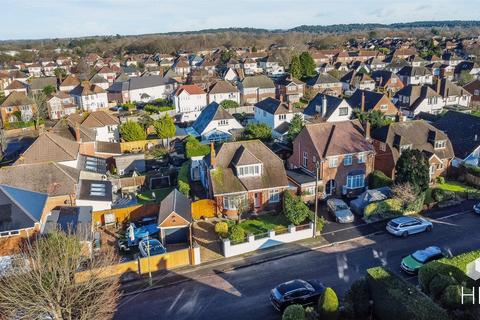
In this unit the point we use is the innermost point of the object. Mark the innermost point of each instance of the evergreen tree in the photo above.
(295, 68)
(132, 131)
(296, 126)
(165, 127)
(412, 167)
(307, 64)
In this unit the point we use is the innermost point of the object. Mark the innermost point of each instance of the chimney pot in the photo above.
(324, 106)
(78, 136)
(363, 102)
(213, 157)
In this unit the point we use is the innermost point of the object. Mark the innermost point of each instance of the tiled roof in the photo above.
(99, 119)
(50, 147)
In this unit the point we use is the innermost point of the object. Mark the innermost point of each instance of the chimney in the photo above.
(290, 107)
(213, 156)
(367, 130)
(362, 107)
(439, 85)
(448, 91)
(324, 106)
(399, 116)
(78, 137)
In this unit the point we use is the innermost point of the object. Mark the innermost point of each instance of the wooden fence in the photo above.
(139, 146)
(124, 215)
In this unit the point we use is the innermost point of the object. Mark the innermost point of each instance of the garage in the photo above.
(175, 218)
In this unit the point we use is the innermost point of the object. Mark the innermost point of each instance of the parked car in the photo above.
(476, 208)
(405, 226)
(413, 262)
(340, 210)
(296, 292)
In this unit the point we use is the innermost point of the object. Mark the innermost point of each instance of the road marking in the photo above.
(453, 215)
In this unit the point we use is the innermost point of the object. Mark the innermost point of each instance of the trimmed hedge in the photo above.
(394, 298)
(378, 179)
(294, 312)
(388, 206)
(438, 284)
(328, 305)
(440, 195)
(357, 300)
(183, 180)
(237, 234)
(221, 228)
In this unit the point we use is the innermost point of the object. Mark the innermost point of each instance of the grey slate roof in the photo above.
(212, 112)
(176, 202)
(258, 81)
(322, 78)
(273, 106)
(332, 104)
(70, 219)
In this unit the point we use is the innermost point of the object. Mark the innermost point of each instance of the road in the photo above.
(243, 293)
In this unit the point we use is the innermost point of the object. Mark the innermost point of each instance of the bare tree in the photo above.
(45, 282)
(41, 109)
(404, 193)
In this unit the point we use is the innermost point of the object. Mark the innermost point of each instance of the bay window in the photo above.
(234, 202)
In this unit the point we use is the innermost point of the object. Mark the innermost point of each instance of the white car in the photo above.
(340, 210)
(476, 208)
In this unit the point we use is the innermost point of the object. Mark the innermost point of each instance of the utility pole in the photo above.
(317, 167)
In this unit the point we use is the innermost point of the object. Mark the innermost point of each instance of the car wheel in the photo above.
(429, 228)
(405, 234)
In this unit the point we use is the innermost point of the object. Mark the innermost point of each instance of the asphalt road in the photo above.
(243, 293)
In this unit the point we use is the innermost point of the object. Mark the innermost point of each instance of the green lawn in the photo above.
(147, 197)
(263, 223)
(453, 186)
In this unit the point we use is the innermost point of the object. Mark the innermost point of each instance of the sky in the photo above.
(37, 19)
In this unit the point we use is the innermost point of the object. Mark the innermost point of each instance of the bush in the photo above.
(294, 312)
(452, 296)
(441, 180)
(357, 300)
(132, 131)
(454, 267)
(328, 305)
(183, 179)
(193, 148)
(229, 104)
(150, 108)
(378, 179)
(295, 210)
(221, 228)
(237, 234)
(384, 207)
(440, 195)
(438, 284)
(395, 298)
(474, 170)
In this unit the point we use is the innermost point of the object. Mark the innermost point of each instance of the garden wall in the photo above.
(293, 234)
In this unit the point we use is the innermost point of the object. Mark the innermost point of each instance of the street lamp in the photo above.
(317, 167)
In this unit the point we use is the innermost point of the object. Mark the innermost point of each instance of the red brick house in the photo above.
(391, 140)
(369, 100)
(343, 151)
(247, 174)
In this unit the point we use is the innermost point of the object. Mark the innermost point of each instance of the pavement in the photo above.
(238, 287)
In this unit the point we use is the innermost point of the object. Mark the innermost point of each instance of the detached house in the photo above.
(473, 88)
(414, 99)
(357, 80)
(16, 86)
(343, 151)
(324, 83)
(189, 101)
(222, 90)
(69, 83)
(415, 75)
(105, 125)
(256, 88)
(276, 114)
(89, 97)
(369, 100)
(142, 89)
(60, 104)
(290, 90)
(244, 175)
(452, 94)
(17, 107)
(392, 139)
(387, 81)
(215, 124)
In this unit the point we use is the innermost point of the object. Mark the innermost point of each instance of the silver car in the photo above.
(340, 210)
(405, 226)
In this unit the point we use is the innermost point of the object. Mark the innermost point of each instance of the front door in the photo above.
(330, 188)
(257, 202)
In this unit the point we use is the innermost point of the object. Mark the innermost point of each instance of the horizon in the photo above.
(144, 17)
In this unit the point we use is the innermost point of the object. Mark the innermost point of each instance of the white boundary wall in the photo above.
(251, 244)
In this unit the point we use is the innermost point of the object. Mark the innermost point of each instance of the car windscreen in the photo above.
(420, 256)
(393, 224)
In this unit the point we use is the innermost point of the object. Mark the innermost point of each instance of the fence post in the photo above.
(196, 254)
(271, 233)
(291, 228)
(226, 245)
(250, 237)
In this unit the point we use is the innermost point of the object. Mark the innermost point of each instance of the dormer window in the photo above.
(250, 170)
(405, 147)
(440, 144)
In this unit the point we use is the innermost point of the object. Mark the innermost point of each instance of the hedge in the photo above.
(394, 298)
(294, 312)
(437, 276)
(440, 195)
(328, 305)
(193, 148)
(183, 179)
(237, 234)
(221, 228)
(388, 206)
(378, 179)
(474, 170)
(357, 300)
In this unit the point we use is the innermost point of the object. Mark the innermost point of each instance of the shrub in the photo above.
(183, 179)
(193, 148)
(229, 104)
(237, 234)
(388, 206)
(328, 305)
(132, 131)
(295, 210)
(395, 298)
(221, 228)
(378, 179)
(474, 170)
(451, 296)
(440, 195)
(294, 312)
(438, 284)
(357, 300)
(441, 180)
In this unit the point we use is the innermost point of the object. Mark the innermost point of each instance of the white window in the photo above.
(476, 92)
(305, 159)
(347, 161)
(282, 117)
(234, 202)
(362, 157)
(333, 162)
(383, 146)
(223, 122)
(405, 147)
(393, 80)
(273, 195)
(383, 107)
(356, 181)
(314, 159)
(440, 144)
(343, 111)
(251, 170)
